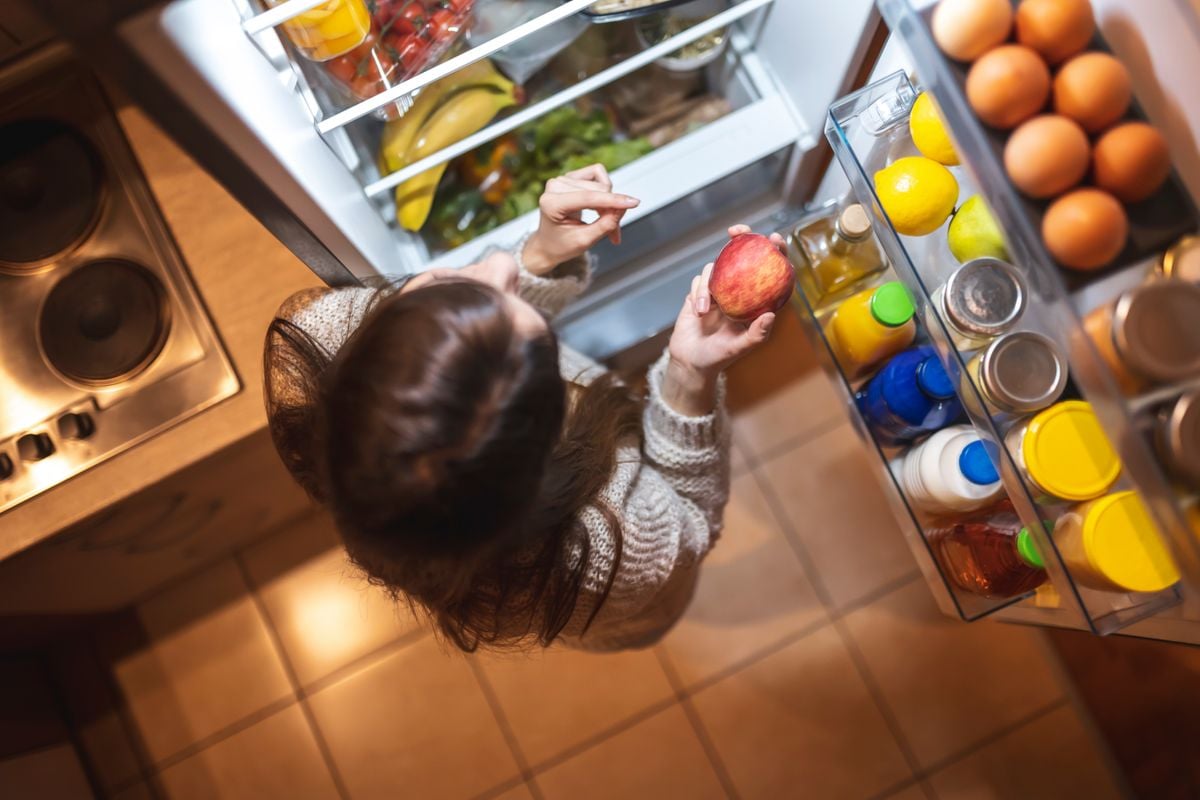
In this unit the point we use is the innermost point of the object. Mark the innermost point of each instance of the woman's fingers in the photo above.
(758, 331)
(704, 302)
(592, 172)
(565, 204)
(779, 243)
(738, 230)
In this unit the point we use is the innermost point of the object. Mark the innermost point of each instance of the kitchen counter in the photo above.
(243, 273)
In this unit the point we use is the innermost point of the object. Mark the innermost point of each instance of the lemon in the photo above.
(929, 131)
(917, 193)
(974, 233)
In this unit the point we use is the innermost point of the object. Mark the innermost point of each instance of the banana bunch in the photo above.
(443, 113)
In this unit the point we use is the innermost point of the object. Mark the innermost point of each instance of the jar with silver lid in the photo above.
(1177, 438)
(984, 298)
(1019, 373)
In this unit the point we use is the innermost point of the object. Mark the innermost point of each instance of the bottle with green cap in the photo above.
(871, 326)
(990, 553)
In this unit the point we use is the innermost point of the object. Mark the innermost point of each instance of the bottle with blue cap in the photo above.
(911, 396)
(951, 471)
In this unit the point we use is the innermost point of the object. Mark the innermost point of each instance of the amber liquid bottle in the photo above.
(989, 553)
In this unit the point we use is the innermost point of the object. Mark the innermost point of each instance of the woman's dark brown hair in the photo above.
(454, 463)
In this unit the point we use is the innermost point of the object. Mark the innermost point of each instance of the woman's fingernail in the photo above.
(631, 202)
(704, 305)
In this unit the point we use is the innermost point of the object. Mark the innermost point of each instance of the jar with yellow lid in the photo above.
(1064, 452)
(328, 30)
(1112, 544)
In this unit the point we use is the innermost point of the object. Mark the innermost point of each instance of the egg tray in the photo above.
(1154, 223)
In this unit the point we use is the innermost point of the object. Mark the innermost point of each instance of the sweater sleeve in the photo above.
(691, 453)
(670, 502)
(554, 291)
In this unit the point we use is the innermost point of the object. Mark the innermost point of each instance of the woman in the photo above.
(506, 486)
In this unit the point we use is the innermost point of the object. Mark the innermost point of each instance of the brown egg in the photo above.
(1131, 161)
(1008, 85)
(966, 29)
(1093, 89)
(1058, 29)
(1046, 155)
(1085, 229)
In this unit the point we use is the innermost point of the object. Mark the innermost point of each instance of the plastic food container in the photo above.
(950, 471)
(981, 300)
(1019, 373)
(619, 10)
(1064, 452)
(329, 30)
(405, 37)
(1151, 334)
(872, 325)
(1111, 544)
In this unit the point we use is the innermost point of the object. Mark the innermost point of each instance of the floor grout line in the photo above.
(706, 743)
(604, 735)
(877, 695)
(293, 679)
(505, 786)
(362, 662)
(232, 729)
(510, 736)
(993, 737)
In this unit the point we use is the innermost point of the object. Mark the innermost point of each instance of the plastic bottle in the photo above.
(1112, 544)
(989, 553)
(911, 396)
(951, 471)
(839, 254)
(870, 326)
(1063, 452)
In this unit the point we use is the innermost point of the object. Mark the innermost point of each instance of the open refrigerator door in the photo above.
(1083, 513)
(697, 108)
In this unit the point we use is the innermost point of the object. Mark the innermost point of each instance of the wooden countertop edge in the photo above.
(243, 273)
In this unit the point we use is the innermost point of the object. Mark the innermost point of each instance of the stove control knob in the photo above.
(35, 446)
(76, 426)
(6, 466)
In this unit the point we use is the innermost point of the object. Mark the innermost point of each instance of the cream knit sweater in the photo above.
(670, 494)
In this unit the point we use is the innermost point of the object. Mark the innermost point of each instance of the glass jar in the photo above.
(329, 30)
(1112, 544)
(1019, 373)
(1064, 452)
(1177, 438)
(981, 300)
(1151, 334)
(1182, 261)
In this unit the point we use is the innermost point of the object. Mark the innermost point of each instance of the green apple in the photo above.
(974, 233)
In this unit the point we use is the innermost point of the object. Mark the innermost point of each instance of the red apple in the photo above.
(750, 278)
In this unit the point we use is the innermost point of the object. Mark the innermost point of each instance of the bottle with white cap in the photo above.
(951, 471)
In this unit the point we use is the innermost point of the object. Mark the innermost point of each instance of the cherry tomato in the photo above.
(443, 24)
(415, 13)
(457, 6)
(407, 51)
(341, 68)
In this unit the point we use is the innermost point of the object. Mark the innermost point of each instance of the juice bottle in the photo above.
(911, 396)
(989, 553)
(872, 325)
(838, 254)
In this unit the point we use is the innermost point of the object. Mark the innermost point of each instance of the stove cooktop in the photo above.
(104, 339)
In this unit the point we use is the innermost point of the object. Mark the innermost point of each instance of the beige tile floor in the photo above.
(812, 664)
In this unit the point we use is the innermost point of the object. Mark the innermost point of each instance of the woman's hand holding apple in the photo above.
(705, 342)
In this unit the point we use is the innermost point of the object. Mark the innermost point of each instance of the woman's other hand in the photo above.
(562, 234)
(705, 342)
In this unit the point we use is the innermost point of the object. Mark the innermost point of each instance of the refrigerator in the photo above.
(817, 96)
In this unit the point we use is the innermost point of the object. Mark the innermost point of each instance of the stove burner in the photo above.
(104, 321)
(50, 185)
